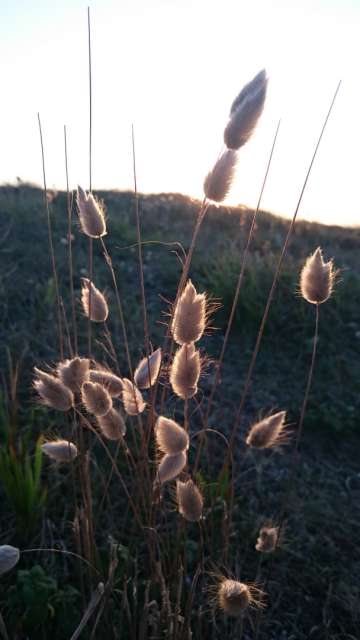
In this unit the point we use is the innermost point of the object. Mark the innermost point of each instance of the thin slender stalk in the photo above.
(185, 272)
(71, 271)
(294, 458)
(51, 246)
(138, 234)
(90, 176)
(236, 298)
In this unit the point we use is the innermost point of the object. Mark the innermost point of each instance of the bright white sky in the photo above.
(173, 68)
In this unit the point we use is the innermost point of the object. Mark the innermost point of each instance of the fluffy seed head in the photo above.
(218, 182)
(170, 467)
(317, 278)
(9, 557)
(267, 540)
(99, 309)
(91, 215)
(73, 373)
(185, 371)
(246, 111)
(60, 450)
(150, 365)
(189, 499)
(170, 437)
(52, 391)
(268, 432)
(234, 597)
(112, 425)
(132, 398)
(189, 320)
(96, 399)
(111, 382)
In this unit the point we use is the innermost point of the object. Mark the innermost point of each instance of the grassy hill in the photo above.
(316, 580)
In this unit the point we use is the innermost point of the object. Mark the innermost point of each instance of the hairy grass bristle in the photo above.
(96, 399)
(108, 379)
(246, 111)
(185, 371)
(91, 214)
(74, 372)
(268, 539)
(132, 398)
(60, 450)
(269, 432)
(98, 310)
(219, 180)
(52, 391)
(112, 425)
(189, 499)
(189, 319)
(171, 438)
(317, 278)
(147, 371)
(170, 467)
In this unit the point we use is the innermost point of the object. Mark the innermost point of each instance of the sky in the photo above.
(173, 68)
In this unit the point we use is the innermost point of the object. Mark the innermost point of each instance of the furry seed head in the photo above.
(267, 540)
(246, 111)
(218, 182)
(52, 391)
(132, 398)
(189, 499)
(185, 371)
(170, 467)
(170, 437)
(268, 432)
(150, 365)
(96, 399)
(73, 373)
(317, 278)
(91, 215)
(9, 557)
(99, 309)
(189, 320)
(112, 425)
(60, 450)
(235, 597)
(111, 382)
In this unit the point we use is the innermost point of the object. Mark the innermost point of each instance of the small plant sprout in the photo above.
(99, 308)
(234, 597)
(91, 215)
(112, 425)
(111, 382)
(60, 450)
(245, 112)
(218, 181)
(317, 278)
(9, 557)
(170, 437)
(170, 467)
(268, 539)
(189, 499)
(269, 432)
(185, 371)
(96, 399)
(189, 320)
(52, 391)
(148, 366)
(132, 398)
(73, 373)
